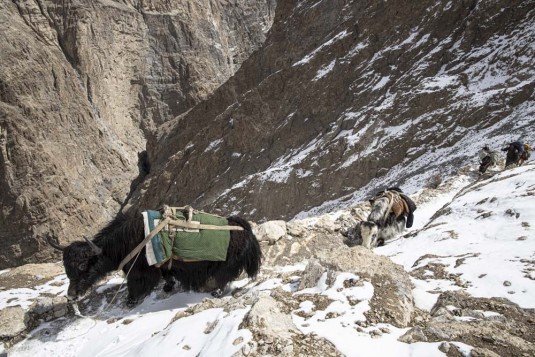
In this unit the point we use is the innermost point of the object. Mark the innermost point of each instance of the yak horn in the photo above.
(54, 244)
(97, 250)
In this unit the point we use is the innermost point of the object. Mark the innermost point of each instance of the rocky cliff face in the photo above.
(348, 95)
(82, 84)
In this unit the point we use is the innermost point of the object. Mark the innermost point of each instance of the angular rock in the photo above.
(483, 352)
(326, 224)
(511, 334)
(415, 334)
(311, 275)
(272, 329)
(267, 320)
(270, 231)
(13, 322)
(295, 229)
(47, 308)
(444, 347)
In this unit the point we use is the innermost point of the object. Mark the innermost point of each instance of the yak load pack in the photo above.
(185, 234)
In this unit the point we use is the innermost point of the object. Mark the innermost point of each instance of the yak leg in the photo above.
(367, 241)
(140, 284)
(169, 280)
(392, 231)
(225, 275)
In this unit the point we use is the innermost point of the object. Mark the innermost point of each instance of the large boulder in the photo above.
(312, 274)
(274, 333)
(392, 300)
(322, 247)
(270, 231)
(268, 320)
(13, 321)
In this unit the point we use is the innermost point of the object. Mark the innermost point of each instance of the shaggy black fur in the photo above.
(124, 233)
(514, 151)
(485, 163)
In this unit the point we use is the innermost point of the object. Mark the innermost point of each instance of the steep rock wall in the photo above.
(349, 96)
(82, 84)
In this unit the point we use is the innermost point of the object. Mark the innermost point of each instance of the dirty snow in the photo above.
(324, 71)
(214, 145)
(311, 55)
(25, 296)
(488, 248)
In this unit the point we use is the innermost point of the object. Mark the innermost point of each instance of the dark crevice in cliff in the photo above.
(70, 59)
(143, 166)
(89, 91)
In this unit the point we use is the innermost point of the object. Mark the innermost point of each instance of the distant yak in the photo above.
(87, 262)
(391, 212)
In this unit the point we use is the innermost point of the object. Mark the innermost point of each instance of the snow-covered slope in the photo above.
(485, 235)
(470, 235)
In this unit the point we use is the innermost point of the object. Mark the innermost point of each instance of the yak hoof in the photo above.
(168, 287)
(217, 293)
(131, 302)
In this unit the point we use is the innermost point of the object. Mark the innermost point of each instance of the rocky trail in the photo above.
(459, 283)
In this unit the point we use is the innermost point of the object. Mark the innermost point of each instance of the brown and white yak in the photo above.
(87, 262)
(391, 212)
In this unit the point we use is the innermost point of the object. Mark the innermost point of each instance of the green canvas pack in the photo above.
(203, 244)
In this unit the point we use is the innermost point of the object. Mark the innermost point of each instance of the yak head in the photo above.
(78, 260)
(352, 235)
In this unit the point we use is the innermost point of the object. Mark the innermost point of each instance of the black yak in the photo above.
(86, 262)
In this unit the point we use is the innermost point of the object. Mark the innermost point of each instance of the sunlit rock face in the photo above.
(83, 84)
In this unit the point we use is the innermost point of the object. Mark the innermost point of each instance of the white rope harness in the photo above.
(168, 215)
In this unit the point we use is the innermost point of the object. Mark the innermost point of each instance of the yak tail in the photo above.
(252, 255)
